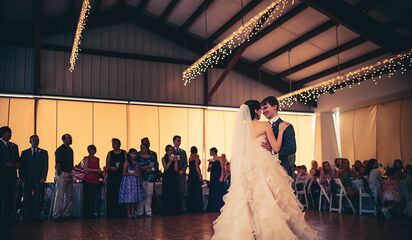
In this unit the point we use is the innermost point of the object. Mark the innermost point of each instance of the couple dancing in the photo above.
(260, 203)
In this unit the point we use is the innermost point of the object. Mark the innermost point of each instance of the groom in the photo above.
(270, 107)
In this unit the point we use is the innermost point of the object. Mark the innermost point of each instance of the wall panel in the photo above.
(47, 132)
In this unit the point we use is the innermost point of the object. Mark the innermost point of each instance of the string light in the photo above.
(400, 63)
(234, 40)
(84, 13)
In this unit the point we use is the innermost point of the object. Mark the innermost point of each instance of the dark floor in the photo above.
(199, 226)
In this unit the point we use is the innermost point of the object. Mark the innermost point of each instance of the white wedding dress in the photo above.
(260, 203)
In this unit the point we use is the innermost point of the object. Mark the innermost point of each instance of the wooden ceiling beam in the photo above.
(168, 10)
(348, 64)
(369, 28)
(243, 12)
(186, 25)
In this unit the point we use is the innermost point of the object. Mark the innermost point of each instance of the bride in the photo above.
(260, 203)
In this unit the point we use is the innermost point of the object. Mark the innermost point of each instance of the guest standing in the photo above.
(227, 179)
(195, 195)
(91, 183)
(170, 187)
(64, 185)
(9, 162)
(33, 172)
(181, 157)
(148, 166)
(114, 165)
(131, 189)
(145, 141)
(216, 191)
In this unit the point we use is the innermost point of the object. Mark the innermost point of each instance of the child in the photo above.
(391, 195)
(131, 190)
(303, 174)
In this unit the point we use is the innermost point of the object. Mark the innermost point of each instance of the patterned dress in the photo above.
(130, 189)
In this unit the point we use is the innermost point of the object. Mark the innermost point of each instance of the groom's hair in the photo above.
(271, 100)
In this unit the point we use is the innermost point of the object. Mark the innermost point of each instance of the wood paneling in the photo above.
(16, 69)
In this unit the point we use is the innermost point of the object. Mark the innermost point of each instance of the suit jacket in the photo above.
(288, 141)
(8, 156)
(182, 164)
(34, 169)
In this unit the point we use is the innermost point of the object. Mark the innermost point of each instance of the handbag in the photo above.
(78, 172)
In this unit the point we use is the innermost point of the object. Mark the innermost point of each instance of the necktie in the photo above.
(34, 153)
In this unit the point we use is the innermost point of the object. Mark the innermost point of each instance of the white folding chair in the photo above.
(372, 196)
(322, 194)
(309, 191)
(341, 192)
(300, 190)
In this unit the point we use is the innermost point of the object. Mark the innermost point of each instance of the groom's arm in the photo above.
(289, 142)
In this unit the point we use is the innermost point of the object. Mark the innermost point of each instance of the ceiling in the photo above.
(306, 45)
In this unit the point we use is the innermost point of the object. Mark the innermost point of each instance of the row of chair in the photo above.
(303, 188)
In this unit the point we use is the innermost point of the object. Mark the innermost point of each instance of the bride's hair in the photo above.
(253, 106)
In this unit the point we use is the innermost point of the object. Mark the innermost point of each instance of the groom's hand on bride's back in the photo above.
(266, 145)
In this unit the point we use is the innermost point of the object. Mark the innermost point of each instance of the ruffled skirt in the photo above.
(262, 206)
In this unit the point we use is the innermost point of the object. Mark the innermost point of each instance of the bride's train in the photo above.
(262, 205)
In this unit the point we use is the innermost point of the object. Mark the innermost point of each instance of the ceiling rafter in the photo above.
(294, 43)
(343, 47)
(348, 64)
(168, 10)
(197, 45)
(243, 12)
(186, 25)
(355, 20)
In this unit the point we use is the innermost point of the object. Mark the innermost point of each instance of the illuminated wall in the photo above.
(98, 123)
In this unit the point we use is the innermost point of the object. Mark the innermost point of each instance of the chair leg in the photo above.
(306, 201)
(350, 203)
(360, 203)
(320, 201)
(330, 204)
(340, 203)
(311, 199)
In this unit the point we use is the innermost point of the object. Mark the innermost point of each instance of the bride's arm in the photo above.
(274, 143)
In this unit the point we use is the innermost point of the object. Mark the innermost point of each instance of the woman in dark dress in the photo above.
(170, 186)
(194, 182)
(114, 165)
(216, 187)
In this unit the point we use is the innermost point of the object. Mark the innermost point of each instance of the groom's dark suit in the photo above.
(288, 148)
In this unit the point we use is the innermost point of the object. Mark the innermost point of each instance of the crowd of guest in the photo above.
(393, 199)
(129, 177)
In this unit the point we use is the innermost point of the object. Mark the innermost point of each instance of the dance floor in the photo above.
(199, 226)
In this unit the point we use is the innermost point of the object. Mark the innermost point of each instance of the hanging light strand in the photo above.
(234, 40)
(400, 63)
(84, 13)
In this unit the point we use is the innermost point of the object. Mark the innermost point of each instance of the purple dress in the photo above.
(130, 189)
